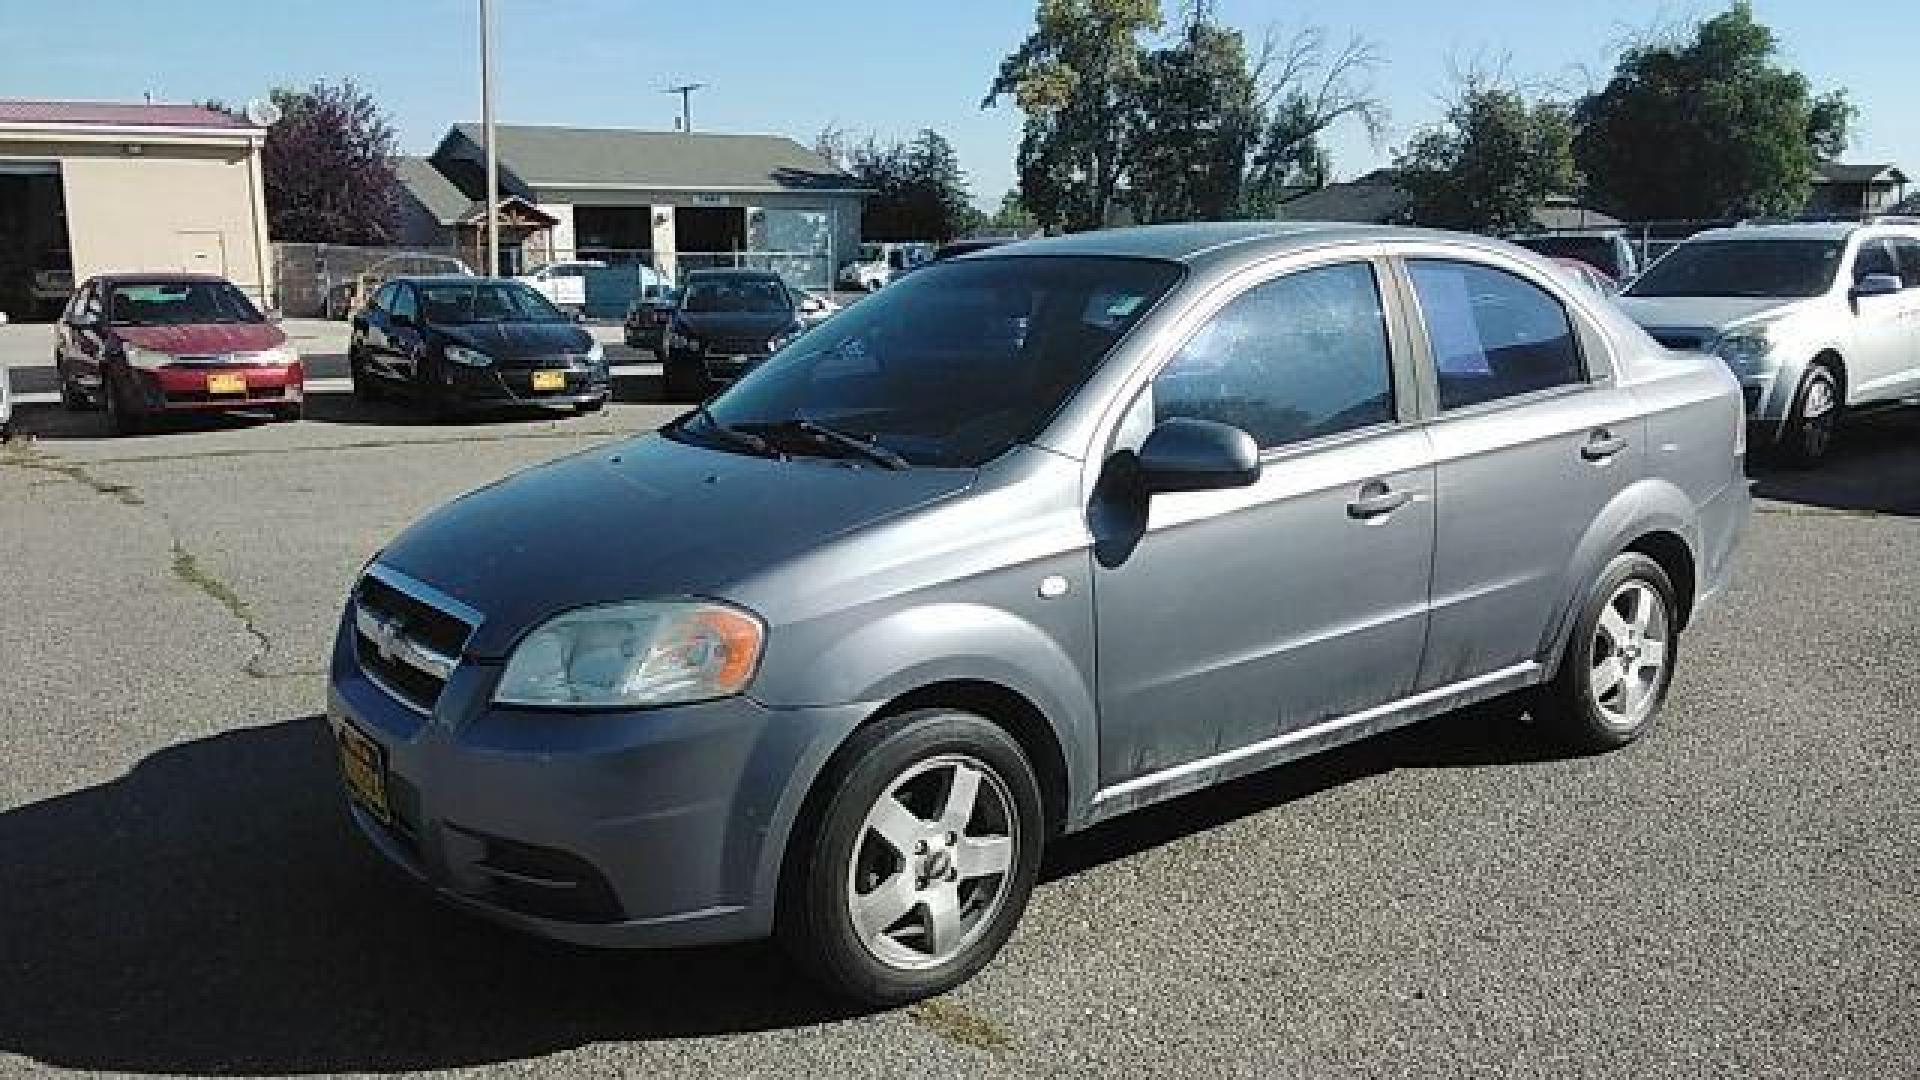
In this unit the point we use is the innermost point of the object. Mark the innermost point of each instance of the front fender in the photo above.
(945, 642)
(1651, 504)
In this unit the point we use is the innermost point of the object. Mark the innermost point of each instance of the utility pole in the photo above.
(685, 90)
(486, 125)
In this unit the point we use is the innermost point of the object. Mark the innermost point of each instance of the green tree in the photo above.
(1711, 127)
(936, 188)
(1012, 216)
(1194, 122)
(1494, 158)
(1307, 87)
(1075, 77)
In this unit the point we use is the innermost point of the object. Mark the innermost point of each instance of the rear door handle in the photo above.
(1602, 445)
(1376, 499)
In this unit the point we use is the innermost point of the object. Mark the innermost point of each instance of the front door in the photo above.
(1239, 616)
(1532, 440)
(1887, 328)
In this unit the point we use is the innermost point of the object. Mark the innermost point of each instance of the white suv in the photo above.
(1813, 319)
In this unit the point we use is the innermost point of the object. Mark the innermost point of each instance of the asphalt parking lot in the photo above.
(180, 891)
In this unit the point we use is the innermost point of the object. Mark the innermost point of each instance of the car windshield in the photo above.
(1743, 268)
(458, 302)
(757, 294)
(954, 365)
(179, 303)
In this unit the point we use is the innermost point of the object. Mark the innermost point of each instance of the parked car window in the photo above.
(1908, 252)
(1296, 358)
(958, 362)
(1782, 268)
(1494, 334)
(179, 303)
(1874, 257)
(736, 294)
(383, 298)
(403, 301)
(483, 301)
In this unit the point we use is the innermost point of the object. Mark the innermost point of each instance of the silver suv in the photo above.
(1031, 539)
(1813, 320)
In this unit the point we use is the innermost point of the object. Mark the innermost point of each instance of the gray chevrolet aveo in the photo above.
(1028, 540)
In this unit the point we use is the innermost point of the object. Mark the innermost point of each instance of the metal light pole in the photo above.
(685, 90)
(486, 124)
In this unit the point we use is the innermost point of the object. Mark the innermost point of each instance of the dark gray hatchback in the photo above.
(1030, 539)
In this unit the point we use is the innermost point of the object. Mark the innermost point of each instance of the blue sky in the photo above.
(888, 66)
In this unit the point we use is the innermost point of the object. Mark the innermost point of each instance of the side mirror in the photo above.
(1877, 285)
(1198, 455)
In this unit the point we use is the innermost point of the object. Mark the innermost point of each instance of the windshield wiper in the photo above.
(738, 437)
(837, 439)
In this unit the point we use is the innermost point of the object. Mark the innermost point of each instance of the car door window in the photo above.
(1874, 257)
(1296, 358)
(404, 303)
(1493, 334)
(382, 299)
(1908, 253)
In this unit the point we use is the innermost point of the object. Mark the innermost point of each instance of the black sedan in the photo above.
(453, 343)
(726, 324)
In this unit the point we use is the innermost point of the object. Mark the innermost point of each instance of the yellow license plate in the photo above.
(226, 382)
(549, 380)
(363, 764)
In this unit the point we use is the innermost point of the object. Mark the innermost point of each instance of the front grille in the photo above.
(408, 644)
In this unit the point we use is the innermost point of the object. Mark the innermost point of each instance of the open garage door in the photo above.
(36, 261)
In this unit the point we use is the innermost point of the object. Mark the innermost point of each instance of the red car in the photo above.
(144, 345)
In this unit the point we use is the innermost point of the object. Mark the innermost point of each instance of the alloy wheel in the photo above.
(930, 869)
(1631, 644)
(1817, 415)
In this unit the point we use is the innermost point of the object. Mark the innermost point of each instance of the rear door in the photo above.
(1906, 250)
(1243, 616)
(1531, 439)
(377, 327)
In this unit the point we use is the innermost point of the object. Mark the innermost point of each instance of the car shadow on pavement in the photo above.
(1492, 733)
(211, 912)
(1873, 468)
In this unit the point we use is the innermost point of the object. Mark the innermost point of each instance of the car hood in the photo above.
(520, 340)
(735, 324)
(1703, 312)
(203, 339)
(642, 519)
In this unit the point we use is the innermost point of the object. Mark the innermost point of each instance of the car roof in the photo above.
(733, 272)
(439, 279)
(157, 277)
(1796, 230)
(1209, 242)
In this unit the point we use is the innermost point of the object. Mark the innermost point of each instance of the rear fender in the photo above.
(1649, 505)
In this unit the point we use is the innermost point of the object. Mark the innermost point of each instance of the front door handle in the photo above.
(1375, 500)
(1602, 445)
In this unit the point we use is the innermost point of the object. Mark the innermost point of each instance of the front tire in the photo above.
(911, 871)
(1614, 675)
(1813, 421)
(121, 420)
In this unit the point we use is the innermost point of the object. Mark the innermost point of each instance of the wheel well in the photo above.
(1676, 559)
(1013, 713)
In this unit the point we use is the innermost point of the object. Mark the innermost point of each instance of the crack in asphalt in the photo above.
(364, 444)
(185, 565)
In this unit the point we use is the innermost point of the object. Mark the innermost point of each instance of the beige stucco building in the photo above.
(88, 188)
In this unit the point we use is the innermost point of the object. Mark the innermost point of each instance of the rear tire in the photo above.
(1814, 419)
(915, 858)
(1616, 669)
(72, 398)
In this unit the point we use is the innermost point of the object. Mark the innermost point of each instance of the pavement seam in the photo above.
(368, 444)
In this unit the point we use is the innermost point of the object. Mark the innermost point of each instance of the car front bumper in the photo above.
(491, 386)
(650, 828)
(197, 388)
(713, 368)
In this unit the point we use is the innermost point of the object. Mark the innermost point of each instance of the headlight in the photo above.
(635, 654)
(597, 355)
(466, 357)
(147, 359)
(678, 340)
(278, 357)
(1744, 348)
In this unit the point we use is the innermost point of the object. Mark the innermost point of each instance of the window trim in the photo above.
(1401, 374)
(1589, 342)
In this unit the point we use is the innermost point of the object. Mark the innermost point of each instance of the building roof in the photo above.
(1565, 215)
(431, 189)
(563, 157)
(117, 114)
(1833, 172)
(1373, 199)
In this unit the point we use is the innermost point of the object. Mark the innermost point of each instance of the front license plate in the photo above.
(363, 764)
(226, 382)
(549, 380)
